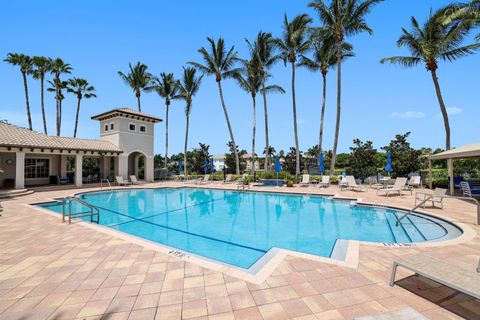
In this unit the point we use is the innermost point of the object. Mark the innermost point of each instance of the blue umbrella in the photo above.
(180, 167)
(388, 167)
(321, 167)
(278, 167)
(205, 166)
(212, 167)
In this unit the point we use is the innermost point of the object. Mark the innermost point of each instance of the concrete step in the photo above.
(8, 194)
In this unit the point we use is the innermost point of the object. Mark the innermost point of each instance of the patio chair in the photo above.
(468, 191)
(87, 179)
(122, 182)
(452, 276)
(373, 183)
(435, 197)
(352, 184)
(397, 187)
(62, 180)
(133, 180)
(204, 180)
(342, 182)
(95, 178)
(415, 182)
(325, 182)
(305, 180)
(243, 183)
(228, 178)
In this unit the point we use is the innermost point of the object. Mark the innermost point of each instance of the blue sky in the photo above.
(99, 38)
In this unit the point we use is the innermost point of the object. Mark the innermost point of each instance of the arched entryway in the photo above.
(136, 164)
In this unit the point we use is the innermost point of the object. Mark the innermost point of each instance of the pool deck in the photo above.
(52, 270)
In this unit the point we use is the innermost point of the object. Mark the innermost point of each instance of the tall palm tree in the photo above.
(166, 87)
(432, 42)
(294, 42)
(250, 81)
(324, 58)
(41, 67)
(264, 49)
(342, 18)
(188, 88)
(82, 89)
(57, 68)
(25, 64)
(138, 79)
(220, 63)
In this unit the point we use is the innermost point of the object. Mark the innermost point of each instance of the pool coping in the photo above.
(348, 256)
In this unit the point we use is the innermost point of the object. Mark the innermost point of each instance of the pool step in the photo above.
(399, 232)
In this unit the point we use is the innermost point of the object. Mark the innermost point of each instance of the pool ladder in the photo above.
(93, 212)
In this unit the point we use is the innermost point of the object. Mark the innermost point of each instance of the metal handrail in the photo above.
(94, 211)
(108, 182)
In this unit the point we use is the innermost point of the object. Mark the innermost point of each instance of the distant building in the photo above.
(219, 161)
(248, 158)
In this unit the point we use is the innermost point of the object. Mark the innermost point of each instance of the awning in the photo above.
(466, 151)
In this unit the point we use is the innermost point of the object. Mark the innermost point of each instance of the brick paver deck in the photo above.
(50, 270)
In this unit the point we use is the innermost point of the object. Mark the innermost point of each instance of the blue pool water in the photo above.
(239, 228)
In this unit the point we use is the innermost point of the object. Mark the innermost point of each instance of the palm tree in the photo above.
(294, 42)
(138, 79)
(166, 87)
(82, 89)
(57, 68)
(250, 81)
(25, 64)
(188, 88)
(324, 58)
(219, 62)
(41, 66)
(263, 48)
(432, 42)
(341, 19)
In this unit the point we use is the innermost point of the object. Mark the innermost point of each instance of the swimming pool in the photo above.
(238, 228)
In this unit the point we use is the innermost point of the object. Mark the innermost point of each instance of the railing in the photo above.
(67, 201)
(107, 181)
(429, 198)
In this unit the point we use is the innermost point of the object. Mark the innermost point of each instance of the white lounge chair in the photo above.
(342, 182)
(452, 276)
(397, 187)
(305, 180)
(415, 182)
(122, 182)
(435, 197)
(325, 182)
(204, 180)
(352, 184)
(243, 183)
(228, 178)
(134, 180)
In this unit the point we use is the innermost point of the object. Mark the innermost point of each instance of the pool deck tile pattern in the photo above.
(50, 270)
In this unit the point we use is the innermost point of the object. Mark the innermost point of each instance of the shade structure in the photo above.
(212, 167)
(278, 166)
(388, 167)
(180, 166)
(205, 166)
(321, 166)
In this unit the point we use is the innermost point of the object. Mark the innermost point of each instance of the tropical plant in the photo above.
(249, 80)
(264, 51)
(405, 159)
(188, 88)
(220, 63)
(363, 159)
(81, 89)
(324, 58)
(166, 87)
(138, 79)
(230, 159)
(41, 67)
(432, 42)
(342, 18)
(292, 43)
(25, 64)
(57, 68)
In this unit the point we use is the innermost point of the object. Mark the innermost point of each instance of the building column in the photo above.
(149, 169)
(20, 170)
(135, 165)
(78, 169)
(105, 167)
(63, 165)
(123, 165)
(450, 174)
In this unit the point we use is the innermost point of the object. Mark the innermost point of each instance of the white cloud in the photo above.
(454, 110)
(408, 115)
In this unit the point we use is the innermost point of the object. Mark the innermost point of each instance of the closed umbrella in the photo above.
(388, 167)
(180, 167)
(278, 167)
(212, 167)
(321, 166)
(205, 166)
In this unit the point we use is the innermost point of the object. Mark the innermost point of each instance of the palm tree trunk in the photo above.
(237, 160)
(339, 108)
(29, 116)
(322, 114)
(186, 145)
(166, 136)
(138, 102)
(297, 151)
(42, 98)
(57, 107)
(443, 109)
(76, 119)
(267, 146)
(254, 131)
(60, 117)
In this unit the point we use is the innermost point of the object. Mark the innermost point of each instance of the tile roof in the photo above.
(13, 136)
(127, 112)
